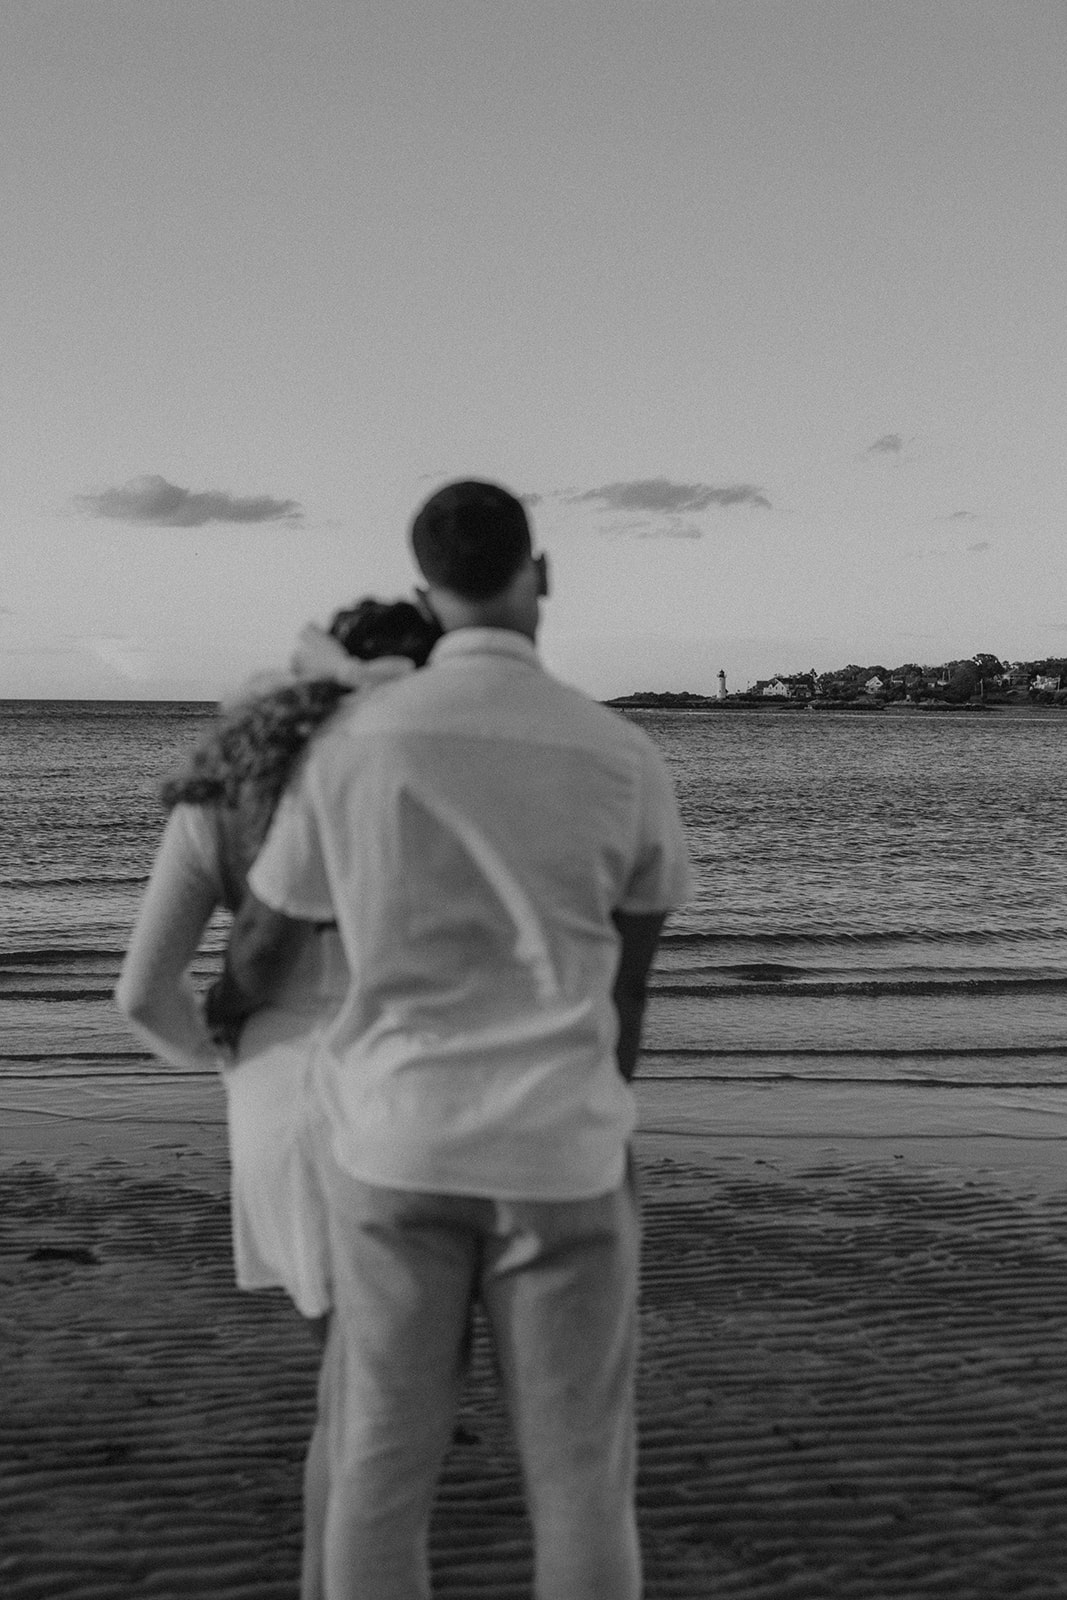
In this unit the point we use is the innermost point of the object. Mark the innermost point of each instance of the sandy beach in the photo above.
(853, 1382)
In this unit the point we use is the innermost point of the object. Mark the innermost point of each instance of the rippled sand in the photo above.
(854, 1383)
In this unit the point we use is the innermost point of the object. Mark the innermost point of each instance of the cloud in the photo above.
(890, 444)
(153, 502)
(960, 516)
(660, 494)
(675, 528)
(668, 528)
(979, 546)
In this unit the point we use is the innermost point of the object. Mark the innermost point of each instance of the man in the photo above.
(499, 853)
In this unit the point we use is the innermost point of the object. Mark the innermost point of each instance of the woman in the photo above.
(220, 807)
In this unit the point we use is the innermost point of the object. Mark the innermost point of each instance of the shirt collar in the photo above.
(485, 642)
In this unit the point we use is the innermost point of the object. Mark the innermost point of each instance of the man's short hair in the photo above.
(471, 538)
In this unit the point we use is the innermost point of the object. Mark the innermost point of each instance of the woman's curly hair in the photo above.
(246, 760)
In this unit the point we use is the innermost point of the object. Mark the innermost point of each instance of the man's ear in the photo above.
(541, 563)
(422, 604)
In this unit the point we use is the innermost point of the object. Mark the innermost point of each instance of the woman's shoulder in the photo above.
(197, 825)
(225, 841)
(196, 832)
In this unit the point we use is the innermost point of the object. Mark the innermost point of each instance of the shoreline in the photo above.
(174, 1125)
(853, 1378)
(893, 708)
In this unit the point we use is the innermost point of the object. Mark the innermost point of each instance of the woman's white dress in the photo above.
(279, 1236)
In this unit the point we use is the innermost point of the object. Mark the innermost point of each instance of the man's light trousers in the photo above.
(558, 1282)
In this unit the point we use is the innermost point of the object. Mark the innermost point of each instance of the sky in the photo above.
(760, 304)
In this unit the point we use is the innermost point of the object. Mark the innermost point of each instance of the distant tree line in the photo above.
(980, 677)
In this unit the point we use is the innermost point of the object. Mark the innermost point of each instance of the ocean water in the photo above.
(879, 898)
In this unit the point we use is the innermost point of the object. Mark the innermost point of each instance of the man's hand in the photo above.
(224, 1014)
(639, 933)
(262, 945)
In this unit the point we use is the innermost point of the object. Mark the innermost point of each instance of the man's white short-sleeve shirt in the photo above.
(473, 828)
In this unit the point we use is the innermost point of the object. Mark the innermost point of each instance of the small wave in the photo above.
(868, 936)
(57, 994)
(888, 1052)
(51, 956)
(86, 882)
(815, 988)
(116, 1054)
(132, 1074)
(904, 1081)
(764, 971)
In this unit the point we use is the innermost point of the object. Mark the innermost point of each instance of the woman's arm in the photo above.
(154, 990)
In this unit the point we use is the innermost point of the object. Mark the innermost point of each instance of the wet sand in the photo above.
(853, 1380)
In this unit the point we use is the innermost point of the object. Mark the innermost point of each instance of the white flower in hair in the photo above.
(319, 655)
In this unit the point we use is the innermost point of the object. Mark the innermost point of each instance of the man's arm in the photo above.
(639, 933)
(262, 944)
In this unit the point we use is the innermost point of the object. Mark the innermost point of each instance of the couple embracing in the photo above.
(446, 911)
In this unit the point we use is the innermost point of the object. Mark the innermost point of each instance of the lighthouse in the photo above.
(722, 684)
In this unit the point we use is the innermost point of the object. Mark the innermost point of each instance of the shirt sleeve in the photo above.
(289, 874)
(154, 989)
(661, 878)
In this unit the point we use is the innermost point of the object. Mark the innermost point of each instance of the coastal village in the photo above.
(979, 680)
